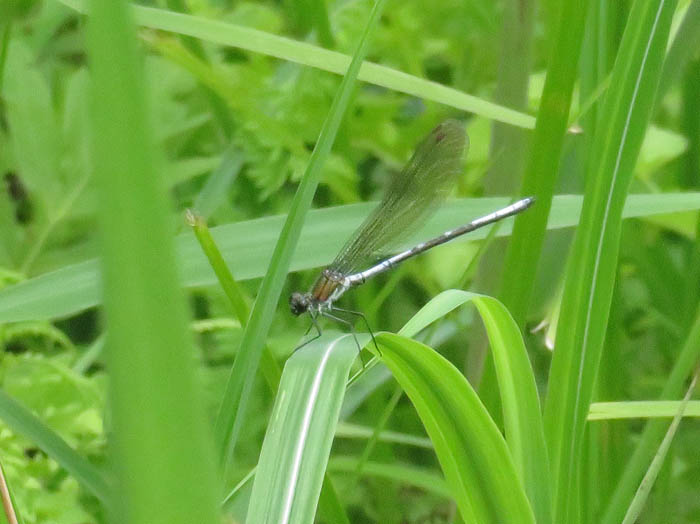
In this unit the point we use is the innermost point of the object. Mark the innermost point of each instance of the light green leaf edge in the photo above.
(303, 53)
(247, 248)
(641, 409)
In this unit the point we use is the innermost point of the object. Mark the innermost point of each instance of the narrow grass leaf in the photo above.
(307, 54)
(236, 297)
(472, 452)
(640, 498)
(269, 365)
(164, 473)
(542, 167)
(685, 43)
(213, 194)
(301, 430)
(232, 410)
(654, 430)
(397, 472)
(591, 272)
(641, 409)
(247, 248)
(354, 431)
(20, 420)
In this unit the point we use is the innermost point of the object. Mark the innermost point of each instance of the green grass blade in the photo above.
(302, 426)
(685, 43)
(236, 297)
(247, 248)
(541, 170)
(591, 273)
(641, 409)
(521, 407)
(353, 431)
(640, 498)
(330, 507)
(240, 382)
(472, 452)
(519, 398)
(404, 474)
(233, 291)
(653, 432)
(20, 420)
(307, 54)
(213, 194)
(164, 474)
(217, 103)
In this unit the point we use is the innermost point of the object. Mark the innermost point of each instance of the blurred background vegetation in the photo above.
(250, 122)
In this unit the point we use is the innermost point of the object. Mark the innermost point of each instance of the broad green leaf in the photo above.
(517, 389)
(35, 138)
(301, 430)
(247, 248)
(472, 452)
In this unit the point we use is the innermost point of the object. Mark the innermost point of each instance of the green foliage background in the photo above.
(234, 129)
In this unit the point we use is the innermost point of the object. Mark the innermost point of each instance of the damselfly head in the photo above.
(299, 303)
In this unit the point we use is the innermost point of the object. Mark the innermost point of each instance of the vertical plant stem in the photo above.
(234, 293)
(508, 145)
(591, 271)
(690, 177)
(7, 504)
(541, 171)
(161, 452)
(5, 30)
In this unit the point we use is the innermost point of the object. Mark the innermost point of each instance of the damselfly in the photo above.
(410, 197)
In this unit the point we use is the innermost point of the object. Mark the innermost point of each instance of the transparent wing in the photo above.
(411, 196)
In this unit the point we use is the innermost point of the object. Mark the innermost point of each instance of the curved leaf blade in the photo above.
(518, 391)
(469, 446)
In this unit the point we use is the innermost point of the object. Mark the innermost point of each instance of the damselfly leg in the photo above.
(364, 319)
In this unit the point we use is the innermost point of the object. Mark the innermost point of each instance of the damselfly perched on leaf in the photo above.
(411, 196)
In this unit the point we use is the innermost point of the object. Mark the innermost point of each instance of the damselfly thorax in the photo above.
(329, 286)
